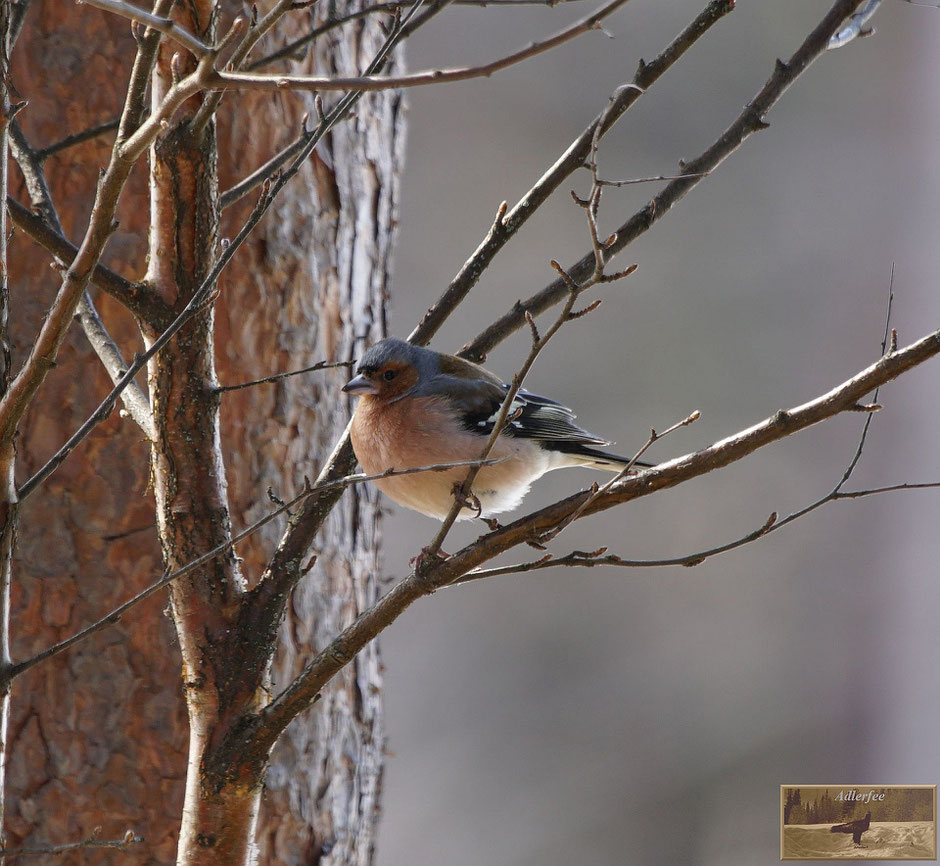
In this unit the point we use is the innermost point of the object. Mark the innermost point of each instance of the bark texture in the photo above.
(99, 736)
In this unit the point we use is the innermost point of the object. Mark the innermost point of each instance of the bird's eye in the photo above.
(388, 375)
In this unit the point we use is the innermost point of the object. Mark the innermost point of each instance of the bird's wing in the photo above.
(531, 416)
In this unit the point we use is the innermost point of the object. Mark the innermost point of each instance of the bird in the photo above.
(856, 828)
(418, 407)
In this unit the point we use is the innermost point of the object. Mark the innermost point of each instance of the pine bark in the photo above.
(99, 736)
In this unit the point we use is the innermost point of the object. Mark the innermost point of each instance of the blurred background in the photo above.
(650, 716)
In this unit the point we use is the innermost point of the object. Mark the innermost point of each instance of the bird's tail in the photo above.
(576, 454)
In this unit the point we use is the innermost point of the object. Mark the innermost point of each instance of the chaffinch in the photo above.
(419, 407)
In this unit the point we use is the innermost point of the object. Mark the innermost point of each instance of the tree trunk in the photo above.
(99, 735)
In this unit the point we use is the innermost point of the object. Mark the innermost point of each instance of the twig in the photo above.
(634, 180)
(226, 80)
(593, 558)
(290, 50)
(322, 365)
(115, 615)
(751, 120)
(129, 838)
(856, 25)
(623, 473)
(164, 25)
(136, 297)
(570, 161)
(44, 153)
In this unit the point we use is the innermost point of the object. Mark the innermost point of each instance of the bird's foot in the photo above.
(467, 499)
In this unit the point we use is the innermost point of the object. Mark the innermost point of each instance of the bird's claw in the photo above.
(467, 499)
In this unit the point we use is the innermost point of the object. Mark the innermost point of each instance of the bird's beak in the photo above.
(359, 385)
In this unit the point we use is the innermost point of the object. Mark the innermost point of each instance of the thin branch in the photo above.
(573, 158)
(129, 838)
(322, 365)
(14, 670)
(590, 559)
(135, 296)
(634, 180)
(135, 400)
(751, 120)
(291, 49)
(101, 225)
(247, 80)
(77, 138)
(164, 25)
(600, 491)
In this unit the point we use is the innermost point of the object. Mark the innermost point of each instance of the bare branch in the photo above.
(135, 400)
(136, 297)
(44, 153)
(751, 120)
(292, 49)
(324, 123)
(623, 473)
(596, 557)
(204, 292)
(634, 180)
(242, 80)
(322, 365)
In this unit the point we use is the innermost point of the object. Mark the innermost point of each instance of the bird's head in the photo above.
(390, 369)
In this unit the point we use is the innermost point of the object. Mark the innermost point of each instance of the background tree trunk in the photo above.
(99, 734)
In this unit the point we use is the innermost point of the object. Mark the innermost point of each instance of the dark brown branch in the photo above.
(131, 146)
(136, 297)
(590, 559)
(77, 138)
(751, 120)
(101, 341)
(572, 159)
